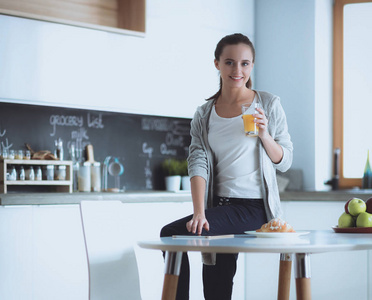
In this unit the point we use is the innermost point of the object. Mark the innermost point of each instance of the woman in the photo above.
(233, 177)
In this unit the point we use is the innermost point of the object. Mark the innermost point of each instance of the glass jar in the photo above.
(27, 154)
(4, 154)
(19, 154)
(95, 177)
(11, 154)
(60, 173)
(84, 177)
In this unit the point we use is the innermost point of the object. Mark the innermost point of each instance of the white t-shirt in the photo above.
(236, 155)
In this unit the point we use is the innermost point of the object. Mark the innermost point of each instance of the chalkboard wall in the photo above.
(140, 142)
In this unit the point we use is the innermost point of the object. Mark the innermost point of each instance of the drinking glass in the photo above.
(250, 127)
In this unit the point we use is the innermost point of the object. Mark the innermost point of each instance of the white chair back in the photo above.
(113, 271)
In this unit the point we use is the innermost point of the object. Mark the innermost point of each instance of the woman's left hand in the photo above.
(262, 122)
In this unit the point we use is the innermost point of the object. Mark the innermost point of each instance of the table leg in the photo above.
(171, 273)
(284, 282)
(303, 276)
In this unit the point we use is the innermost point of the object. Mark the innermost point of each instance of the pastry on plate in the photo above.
(276, 225)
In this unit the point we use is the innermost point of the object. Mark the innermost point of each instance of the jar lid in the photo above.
(50, 167)
(62, 167)
(96, 164)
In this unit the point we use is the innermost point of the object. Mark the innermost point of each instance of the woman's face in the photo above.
(235, 65)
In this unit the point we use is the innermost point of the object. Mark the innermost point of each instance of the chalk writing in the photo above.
(155, 124)
(4, 142)
(147, 150)
(148, 173)
(165, 151)
(95, 121)
(172, 140)
(62, 120)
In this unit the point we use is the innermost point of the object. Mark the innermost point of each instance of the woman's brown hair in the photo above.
(233, 39)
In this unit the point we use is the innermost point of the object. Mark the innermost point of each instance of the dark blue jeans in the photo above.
(228, 216)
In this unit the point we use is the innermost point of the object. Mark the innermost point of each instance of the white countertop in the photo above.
(163, 196)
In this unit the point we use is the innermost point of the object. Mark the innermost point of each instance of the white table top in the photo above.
(314, 242)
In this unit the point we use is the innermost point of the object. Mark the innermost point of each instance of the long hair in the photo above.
(232, 39)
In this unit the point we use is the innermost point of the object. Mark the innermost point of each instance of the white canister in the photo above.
(95, 176)
(84, 177)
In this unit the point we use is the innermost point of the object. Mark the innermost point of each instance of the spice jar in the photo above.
(4, 154)
(84, 177)
(95, 177)
(19, 154)
(11, 154)
(27, 154)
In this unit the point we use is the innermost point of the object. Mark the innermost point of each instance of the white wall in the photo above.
(54, 64)
(172, 67)
(294, 59)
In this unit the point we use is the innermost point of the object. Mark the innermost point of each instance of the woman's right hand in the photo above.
(197, 223)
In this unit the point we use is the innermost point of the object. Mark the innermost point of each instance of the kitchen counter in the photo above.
(163, 196)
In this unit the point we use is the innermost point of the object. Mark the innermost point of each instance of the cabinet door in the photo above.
(42, 251)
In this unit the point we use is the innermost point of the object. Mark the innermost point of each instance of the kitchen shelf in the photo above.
(60, 185)
(119, 16)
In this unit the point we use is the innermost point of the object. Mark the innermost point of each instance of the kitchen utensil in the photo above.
(116, 169)
(90, 153)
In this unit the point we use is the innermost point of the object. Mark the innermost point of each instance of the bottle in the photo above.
(367, 176)
(38, 175)
(31, 175)
(13, 174)
(22, 175)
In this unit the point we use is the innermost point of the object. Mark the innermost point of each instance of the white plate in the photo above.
(277, 234)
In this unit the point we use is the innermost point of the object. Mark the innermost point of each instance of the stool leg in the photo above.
(303, 276)
(284, 282)
(171, 273)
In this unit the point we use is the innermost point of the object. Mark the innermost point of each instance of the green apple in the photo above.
(364, 219)
(356, 206)
(346, 220)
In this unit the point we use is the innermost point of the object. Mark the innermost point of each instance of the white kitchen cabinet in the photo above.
(42, 254)
(42, 250)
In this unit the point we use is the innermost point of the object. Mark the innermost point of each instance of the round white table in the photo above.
(301, 247)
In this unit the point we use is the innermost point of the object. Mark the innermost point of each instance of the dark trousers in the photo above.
(228, 216)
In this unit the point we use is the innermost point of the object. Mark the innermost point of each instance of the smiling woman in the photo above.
(352, 92)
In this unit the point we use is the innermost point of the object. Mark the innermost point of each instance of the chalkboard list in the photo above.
(139, 142)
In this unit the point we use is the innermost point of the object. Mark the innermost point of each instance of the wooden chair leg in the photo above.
(284, 282)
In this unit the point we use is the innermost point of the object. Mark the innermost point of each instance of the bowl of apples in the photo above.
(357, 217)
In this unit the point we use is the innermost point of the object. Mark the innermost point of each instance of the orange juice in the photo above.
(250, 127)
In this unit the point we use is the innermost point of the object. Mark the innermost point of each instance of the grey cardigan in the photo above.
(201, 162)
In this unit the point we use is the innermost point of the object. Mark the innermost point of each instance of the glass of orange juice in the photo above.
(250, 127)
